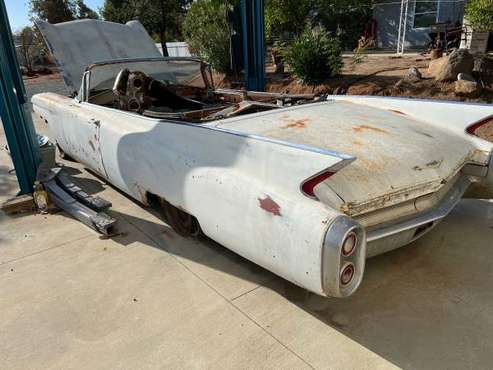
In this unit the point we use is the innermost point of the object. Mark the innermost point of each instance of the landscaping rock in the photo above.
(447, 68)
(467, 88)
(414, 74)
(436, 66)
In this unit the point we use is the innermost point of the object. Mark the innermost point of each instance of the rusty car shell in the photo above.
(386, 170)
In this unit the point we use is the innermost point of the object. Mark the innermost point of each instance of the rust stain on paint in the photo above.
(269, 205)
(296, 123)
(432, 164)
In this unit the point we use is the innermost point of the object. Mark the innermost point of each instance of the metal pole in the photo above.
(400, 28)
(252, 16)
(405, 27)
(14, 113)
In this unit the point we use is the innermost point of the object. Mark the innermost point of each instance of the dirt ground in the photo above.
(375, 75)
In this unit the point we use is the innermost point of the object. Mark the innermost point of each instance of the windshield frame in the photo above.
(85, 86)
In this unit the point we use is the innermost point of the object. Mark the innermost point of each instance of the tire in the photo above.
(183, 223)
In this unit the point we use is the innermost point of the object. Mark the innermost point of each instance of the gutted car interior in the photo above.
(175, 88)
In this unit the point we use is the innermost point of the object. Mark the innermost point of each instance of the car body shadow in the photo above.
(420, 306)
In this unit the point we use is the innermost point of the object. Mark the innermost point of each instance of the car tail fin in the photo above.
(473, 128)
(308, 185)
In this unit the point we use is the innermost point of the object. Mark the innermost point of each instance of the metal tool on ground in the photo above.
(69, 197)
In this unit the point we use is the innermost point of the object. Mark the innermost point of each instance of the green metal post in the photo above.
(14, 112)
(252, 15)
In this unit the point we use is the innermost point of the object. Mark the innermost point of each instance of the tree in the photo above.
(206, 30)
(161, 18)
(31, 47)
(83, 11)
(345, 18)
(56, 11)
(285, 16)
(53, 11)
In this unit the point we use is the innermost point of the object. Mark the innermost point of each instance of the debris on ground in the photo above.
(19, 204)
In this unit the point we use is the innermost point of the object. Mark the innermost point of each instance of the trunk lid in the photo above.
(397, 157)
(77, 44)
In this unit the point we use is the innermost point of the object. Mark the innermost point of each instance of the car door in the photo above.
(77, 133)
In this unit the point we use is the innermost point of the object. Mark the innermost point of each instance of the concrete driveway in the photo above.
(148, 298)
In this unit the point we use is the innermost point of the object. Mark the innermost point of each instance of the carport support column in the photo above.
(16, 119)
(252, 19)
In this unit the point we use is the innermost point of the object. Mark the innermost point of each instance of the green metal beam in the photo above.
(14, 112)
(252, 16)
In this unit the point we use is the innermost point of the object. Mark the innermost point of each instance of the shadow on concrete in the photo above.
(201, 250)
(421, 306)
(424, 305)
(8, 182)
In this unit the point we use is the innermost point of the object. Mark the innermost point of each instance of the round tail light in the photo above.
(347, 274)
(349, 244)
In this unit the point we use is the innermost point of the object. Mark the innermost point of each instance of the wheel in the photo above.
(181, 222)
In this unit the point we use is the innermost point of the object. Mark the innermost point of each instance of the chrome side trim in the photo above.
(345, 158)
(440, 211)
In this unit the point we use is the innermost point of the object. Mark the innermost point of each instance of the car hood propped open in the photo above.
(77, 44)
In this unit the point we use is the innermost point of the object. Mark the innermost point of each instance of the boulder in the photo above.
(413, 74)
(447, 68)
(436, 66)
(467, 88)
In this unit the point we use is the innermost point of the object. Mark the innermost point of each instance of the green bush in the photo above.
(480, 15)
(206, 31)
(314, 56)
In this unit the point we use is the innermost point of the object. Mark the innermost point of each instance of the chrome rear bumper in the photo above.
(391, 236)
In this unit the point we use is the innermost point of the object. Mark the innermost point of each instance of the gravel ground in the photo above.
(46, 83)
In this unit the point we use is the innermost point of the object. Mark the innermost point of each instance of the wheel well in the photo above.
(182, 222)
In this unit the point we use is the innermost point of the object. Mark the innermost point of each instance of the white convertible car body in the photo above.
(306, 188)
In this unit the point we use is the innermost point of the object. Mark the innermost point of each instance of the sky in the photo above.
(18, 11)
